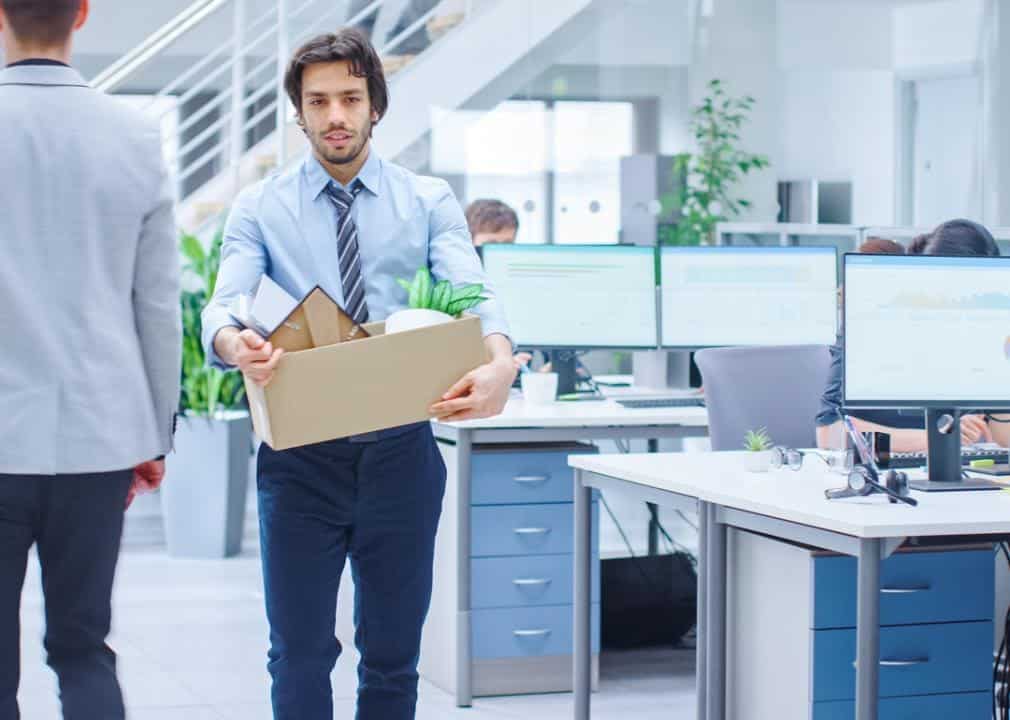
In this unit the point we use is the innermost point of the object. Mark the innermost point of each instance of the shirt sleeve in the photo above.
(243, 263)
(452, 257)
(831, 398)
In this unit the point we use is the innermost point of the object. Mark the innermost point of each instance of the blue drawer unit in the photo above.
(527, 632)
(523, 476)
(963, 706)
(522, 530)
(915, 660)
(525, 580)
(916, 587)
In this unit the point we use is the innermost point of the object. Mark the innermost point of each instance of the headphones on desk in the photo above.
(864, 480)
(864, 477)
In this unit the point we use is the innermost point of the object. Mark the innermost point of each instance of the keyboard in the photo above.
(918, 459)
(670, 402)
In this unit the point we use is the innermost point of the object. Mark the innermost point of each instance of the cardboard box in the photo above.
(345, 388)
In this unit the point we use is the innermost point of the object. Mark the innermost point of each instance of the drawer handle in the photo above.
(531, 531)
(531, 633)
(531, 479)
(526, 582)
(904, 663)
(905, 590)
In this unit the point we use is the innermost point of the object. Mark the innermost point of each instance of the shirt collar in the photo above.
(38, 61)
(370, 174)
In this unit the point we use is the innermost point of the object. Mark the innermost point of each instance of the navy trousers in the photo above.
(77, 523)
(377, 503)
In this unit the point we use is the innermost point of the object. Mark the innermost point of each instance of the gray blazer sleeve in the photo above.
(156, 309)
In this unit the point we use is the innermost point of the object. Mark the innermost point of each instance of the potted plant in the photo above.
(204, 495)
(707, 197)
(430, 303)
(758, 445)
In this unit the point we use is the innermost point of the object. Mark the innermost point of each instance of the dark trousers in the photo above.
(377, 503)
(77, 523)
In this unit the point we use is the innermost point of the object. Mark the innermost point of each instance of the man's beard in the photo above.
(343, 157)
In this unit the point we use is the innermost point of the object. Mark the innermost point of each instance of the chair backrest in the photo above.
(775, 387)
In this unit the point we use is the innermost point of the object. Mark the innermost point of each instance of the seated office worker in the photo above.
(89, 372)
(491, 221)
(353, 223)
(907, 427)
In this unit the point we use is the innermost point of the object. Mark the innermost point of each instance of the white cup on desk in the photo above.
(539, 388)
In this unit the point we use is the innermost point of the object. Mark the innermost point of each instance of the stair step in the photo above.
(394, 63)
(441, 24)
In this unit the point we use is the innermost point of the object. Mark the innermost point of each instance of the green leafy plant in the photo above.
(711, 175)
(425, 294)
(757, 440)
(205, 390)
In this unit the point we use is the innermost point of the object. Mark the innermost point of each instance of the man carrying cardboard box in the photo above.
(351, 223)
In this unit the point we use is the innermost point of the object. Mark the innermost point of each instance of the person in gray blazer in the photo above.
(91, 328)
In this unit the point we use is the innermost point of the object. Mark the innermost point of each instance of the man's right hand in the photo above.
(254, 356)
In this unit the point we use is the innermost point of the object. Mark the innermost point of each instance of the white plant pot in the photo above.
(203, 499)
(760, 461)
(413, 319)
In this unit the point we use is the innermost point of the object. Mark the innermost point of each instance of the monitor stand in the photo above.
(662, 369)
(564, 363)
(943, 456)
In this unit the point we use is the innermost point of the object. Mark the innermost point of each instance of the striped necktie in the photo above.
(348, 255)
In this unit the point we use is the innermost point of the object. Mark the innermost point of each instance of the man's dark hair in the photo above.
(45, 23)
(487, 215)
(348, 44)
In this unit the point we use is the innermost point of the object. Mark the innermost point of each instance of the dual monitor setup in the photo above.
(568, 298)
(918, 331)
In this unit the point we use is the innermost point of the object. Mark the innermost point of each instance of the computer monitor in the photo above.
(576, 296)
(719, 296)
(930, 332)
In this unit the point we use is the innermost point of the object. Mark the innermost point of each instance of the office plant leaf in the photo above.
(713, 173)
(424, 293)
(205, 390)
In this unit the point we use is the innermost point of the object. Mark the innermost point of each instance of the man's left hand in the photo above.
(147, 477)
(481, 393)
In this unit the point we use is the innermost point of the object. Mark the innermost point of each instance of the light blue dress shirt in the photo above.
(286, 227)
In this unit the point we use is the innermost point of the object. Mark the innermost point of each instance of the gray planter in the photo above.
(203, 498)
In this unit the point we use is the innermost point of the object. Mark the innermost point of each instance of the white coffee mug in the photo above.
(539, 388)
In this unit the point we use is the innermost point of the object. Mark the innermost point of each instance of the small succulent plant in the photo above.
(757, 440)
(425, 294)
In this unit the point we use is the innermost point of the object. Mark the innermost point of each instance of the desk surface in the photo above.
(798, 497)
(601, 413)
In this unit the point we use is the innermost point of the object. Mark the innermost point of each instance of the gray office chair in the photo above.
(778, 388)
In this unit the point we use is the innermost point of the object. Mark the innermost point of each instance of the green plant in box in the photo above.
(425, 294)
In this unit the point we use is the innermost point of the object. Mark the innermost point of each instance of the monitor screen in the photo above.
(926, 331)
(717, 296)
(567, 296)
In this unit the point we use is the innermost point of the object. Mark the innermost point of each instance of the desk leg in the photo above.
(464, 663)
(715, 616)
(868, 631)
(701, 623)
(582, 656)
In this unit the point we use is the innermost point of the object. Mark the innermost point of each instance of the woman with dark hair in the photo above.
(907, 427)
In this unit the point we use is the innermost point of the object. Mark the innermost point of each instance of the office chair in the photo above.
(777, 387)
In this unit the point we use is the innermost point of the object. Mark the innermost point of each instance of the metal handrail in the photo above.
(160, 39)
(255, 74)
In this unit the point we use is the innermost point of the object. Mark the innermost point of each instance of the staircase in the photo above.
(227, 121)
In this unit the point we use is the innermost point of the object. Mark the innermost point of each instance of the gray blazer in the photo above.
(89, 280)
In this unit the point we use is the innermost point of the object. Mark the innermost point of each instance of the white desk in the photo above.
(783, 504)
(519, 423)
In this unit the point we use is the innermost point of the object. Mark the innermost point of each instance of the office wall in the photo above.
(841, 126)
(938, 36)
(737, 44)
(834, 36)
